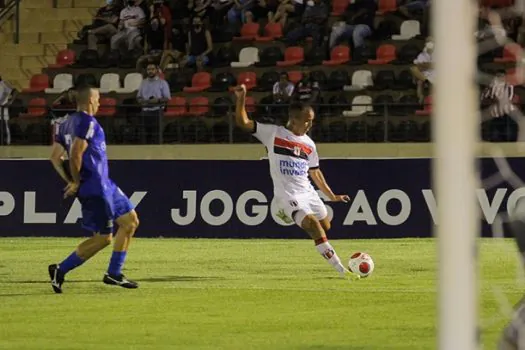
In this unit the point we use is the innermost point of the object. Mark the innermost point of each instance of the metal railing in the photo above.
(128, 124)
(12, 9)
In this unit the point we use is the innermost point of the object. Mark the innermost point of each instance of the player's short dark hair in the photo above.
(84, 93)
(297, 108)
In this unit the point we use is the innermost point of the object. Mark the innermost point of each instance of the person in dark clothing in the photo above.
(306, 90)
(177, 47)
(199, 46)
(312, 24)
(159, 28)
(104, 24)
(357, 23)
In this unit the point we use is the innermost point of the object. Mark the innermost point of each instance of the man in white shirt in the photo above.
(6, 97)
(132, 18)
(293, 157)
(423, 70)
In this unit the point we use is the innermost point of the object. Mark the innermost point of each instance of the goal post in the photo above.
(455, 176)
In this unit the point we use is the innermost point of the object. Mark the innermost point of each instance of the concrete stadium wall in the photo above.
(255, 151)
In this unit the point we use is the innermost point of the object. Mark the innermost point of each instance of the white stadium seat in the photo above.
(61, 83)
(109, 82)
(247, 57)
(365, 101)
(409, 29)
(132, 83)
(360, 80)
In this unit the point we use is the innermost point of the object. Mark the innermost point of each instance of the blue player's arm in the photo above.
(57, 159)
(75, 164)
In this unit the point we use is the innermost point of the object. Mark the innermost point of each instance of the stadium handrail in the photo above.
(12, 8)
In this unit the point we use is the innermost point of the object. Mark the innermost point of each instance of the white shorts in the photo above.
(298, 208)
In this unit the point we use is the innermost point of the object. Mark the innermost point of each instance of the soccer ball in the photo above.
(361, 264)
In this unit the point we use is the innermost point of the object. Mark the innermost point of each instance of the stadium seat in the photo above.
(266, 82)
(221, 106)
(361, 79)
(511, 53)
(384, 79)
(292, 56)
(247, 78)
(407, 105)
(385, 6)
(176, 107)
(250, 104)
(108, 107)
(222, 82)
(199, 82)
(199, 106)
(64, 58)
(86, 79)
(404, 81)
(385, 54)
(337, 80)
(272, 31)
(132, 83)
(337, 104)
(407, 54)
(427, 109)
(339, 7)
(37, 108)
(337, 131)
(247, 57)
(269, 57)
(360, 105)
(177, 81)
(320, 77)
(295, 76)
(86, 59)
(339, 55)
(357, 132)
(424, 132)
(409, 29)
(61, 83)
(383, 105)
(314, 57)
(249, 31)
(224, 57)
(38, 83)
(109, 82)
(362, 54)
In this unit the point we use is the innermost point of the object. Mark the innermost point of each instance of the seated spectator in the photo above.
(411, 8)
(306, 90)
(286, 9)
(236, 13)
(357, 24)
(200, 8)
(159, 29)
(261, 10)
(153, 94)
(220, 9)
(132, 19)
(312, 24)
(177, 47)
(7, 96)
(104, 24)
(423, 70)
(283, 89)
(199, 46)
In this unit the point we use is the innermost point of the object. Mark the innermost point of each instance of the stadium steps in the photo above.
(44, 31)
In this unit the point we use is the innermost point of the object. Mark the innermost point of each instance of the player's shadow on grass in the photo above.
(181, 279)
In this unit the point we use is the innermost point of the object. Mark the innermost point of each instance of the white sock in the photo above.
(328, 252)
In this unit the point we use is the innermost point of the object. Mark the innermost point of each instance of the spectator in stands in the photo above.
(220, 9)
(283, 89)
(307, 89)
(176, 48)
(132, 19)
(153, 94)
(411, 8)
(200, 8)
(160, 25)
(357, 24)
(199, 46)
(312, 24)
(422, 70)
(261, 10)
(286, 9)
(236, 13)
(7, 96)
(104, 24)
(144, 6)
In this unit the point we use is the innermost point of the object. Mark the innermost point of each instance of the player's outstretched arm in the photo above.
(241, 117)
(57, 159)
(319, 180)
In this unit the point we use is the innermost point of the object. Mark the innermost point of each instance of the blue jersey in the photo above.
(94, 175)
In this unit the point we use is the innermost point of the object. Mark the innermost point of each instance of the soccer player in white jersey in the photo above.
(293, 157)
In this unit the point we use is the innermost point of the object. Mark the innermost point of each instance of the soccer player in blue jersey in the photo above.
(81, 137)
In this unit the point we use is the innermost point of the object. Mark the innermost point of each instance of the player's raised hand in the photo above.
(240, 90)
(71, 189)
(341, 198)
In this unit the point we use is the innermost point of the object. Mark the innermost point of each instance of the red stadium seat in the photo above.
(199, 106)
(386, 6)
(510, 53)
(272, 31)
(38, 83)
(108, 107)
(176, 107)
(339, 55)
(250, 104)
(514, 76)
(37, 108)
(249, 31)
(64, 58)
(292, 56)
(295, 76)
(339, 7)
(199, 82)
(247, 78)
(385, 54)
(427, 109)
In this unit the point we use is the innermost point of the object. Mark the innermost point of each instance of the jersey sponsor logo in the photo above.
(291, 148)
(293, 168)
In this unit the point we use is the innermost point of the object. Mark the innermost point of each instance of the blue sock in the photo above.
(71, 262)
(116, 262)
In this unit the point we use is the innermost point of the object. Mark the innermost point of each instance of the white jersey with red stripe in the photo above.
(290, 157)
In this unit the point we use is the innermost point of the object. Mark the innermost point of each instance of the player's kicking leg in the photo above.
(128, 224)
(84, 251)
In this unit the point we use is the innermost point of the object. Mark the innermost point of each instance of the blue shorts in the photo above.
(193, 59)
(99, 212)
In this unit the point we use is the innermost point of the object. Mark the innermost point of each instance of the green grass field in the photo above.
(238, 294)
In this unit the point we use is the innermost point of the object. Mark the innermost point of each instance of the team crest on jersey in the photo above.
(297, 150)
